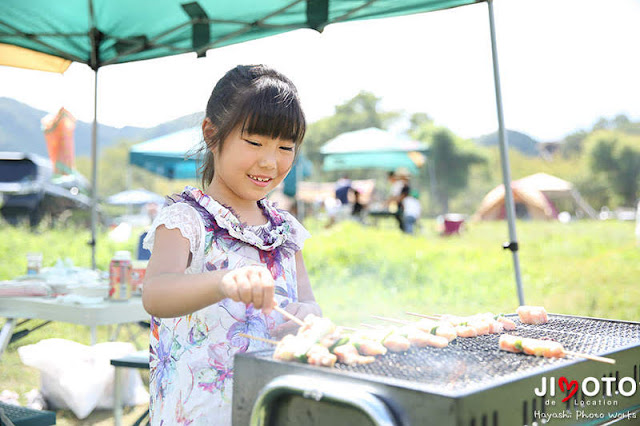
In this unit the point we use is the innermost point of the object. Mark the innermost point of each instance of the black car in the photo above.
(29, 190)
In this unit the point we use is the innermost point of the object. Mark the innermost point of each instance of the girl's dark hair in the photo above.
(262, 100)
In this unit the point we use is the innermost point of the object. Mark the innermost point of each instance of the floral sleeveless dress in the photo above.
(191, 357)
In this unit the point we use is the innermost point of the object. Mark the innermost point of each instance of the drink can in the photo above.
(120, 276)
(138, 270)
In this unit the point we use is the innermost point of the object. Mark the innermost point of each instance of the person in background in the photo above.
(224, 256)
(398, 179)
(152, 210)
(339, 208)
(357, 211)
(343, 186)
(411, 209)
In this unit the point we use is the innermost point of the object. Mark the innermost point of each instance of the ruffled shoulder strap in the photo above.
(185, 218)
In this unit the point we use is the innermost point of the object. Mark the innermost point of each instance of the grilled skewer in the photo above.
(545, 348)
(477, 325)
(455, 320)
(423, 334)
(391, 338)
(320, 342)
(532, 314)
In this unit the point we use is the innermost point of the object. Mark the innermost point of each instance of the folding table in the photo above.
(107, 312)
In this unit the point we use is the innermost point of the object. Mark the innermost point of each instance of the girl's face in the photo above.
(250, 166)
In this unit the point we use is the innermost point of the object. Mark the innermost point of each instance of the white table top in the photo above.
(47, 308)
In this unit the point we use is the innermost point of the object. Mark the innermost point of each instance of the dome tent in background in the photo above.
(534, 197)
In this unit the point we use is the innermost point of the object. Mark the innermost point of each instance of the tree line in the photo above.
(602, 162)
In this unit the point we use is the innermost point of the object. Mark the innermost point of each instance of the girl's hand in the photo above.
(300, 310)
(250, 284)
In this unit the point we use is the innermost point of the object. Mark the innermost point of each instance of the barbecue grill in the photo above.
(469, 383)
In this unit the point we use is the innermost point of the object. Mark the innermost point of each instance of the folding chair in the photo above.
(135, 360)
(23, 416)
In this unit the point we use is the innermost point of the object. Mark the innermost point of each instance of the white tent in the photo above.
(135, 197)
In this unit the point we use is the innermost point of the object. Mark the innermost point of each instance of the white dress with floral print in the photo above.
(191, 357)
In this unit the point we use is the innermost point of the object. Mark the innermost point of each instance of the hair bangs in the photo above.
(273, 110)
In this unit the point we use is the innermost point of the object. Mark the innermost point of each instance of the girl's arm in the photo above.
(305, 305)
(169, 292)
(305, 294)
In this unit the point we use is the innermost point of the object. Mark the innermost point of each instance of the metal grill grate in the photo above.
(468, 364)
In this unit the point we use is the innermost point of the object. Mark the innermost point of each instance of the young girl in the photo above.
(222, 258)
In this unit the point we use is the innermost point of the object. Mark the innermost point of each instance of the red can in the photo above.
(120, 276)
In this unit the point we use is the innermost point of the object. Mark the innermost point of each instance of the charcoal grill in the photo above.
(468, 383)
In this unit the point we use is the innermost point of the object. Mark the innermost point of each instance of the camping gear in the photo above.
(23, 416)
(71, 308)
(171, 156)
(534, 196)
(102, 32)
(468, 383)
(133, 197)
(373, 148)
(452, 223)
(139, 360)
(530, 203)
(80, 377)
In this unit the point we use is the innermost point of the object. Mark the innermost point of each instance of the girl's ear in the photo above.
(208, 131)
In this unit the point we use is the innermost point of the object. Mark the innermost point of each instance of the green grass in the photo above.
(582, 268)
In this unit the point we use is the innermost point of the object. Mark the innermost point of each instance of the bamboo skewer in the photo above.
(288, 315)
(591, 357)
(397, 321)
(433, 317)
(261, 339)
(375, 327)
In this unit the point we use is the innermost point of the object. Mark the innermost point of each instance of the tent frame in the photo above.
(512, 245)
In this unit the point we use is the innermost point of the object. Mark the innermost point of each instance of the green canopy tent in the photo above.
(106, 32)
(371, 148)
(169, 155)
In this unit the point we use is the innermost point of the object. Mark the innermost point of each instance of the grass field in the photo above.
(582, 268)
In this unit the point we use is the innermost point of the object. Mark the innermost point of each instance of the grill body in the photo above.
(469, 383)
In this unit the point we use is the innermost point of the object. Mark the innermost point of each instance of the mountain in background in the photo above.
(523, 143)
(20, 130)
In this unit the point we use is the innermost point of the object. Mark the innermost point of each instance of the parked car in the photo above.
(29, 189)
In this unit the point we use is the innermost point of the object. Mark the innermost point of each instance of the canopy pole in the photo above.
(504, 160)
(94, 171)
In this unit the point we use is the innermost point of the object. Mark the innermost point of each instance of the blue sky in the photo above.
(563, 64)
